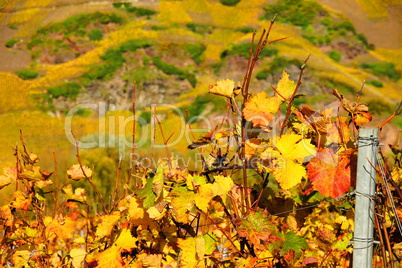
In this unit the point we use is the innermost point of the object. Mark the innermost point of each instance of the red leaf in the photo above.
(332, 174)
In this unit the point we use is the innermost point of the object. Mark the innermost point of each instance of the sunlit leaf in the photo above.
(111, 257)
(286, 158)
(126, 241)
(20, 201)
(188, 252)
(107, 222)
(204, 196)
(78, 256)
(78, 195)
(331, 174)
(223, 88)
(134, 210)
(182, 203)
(21, 256)
(288, 173)
(285, 86)
(260, 110)
(222, 186)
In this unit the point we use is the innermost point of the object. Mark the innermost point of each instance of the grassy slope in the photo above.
(46, 129)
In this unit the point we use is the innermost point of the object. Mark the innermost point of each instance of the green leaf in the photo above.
(210, 243)
(147, 194)
(293, 242)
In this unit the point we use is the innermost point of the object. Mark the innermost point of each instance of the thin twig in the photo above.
(165, 141)
(397, 112)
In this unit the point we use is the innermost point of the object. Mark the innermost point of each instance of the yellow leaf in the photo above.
(260, 109)
(135, 211)
(265, 254)
(110, 258)
(285, 86)
(78, 256)
(106, 225)
(289, 174)
(203, 197)
(154, 213)
(182, 203)
(222, 186)
(77, 195)
(291, 222)
(32, 174)
(126, 241)
(200, 247)
(21, 256)
(293, 146)
(223, 88)
(31, 232)
(188, 252)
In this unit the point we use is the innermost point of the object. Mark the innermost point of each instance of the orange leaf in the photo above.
(260, 110)
(331, 174)
(20, 201)
(361, 118)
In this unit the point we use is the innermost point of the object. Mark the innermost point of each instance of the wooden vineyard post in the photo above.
(365, 192)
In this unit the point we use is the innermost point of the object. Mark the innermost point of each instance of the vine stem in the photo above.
(252, 60)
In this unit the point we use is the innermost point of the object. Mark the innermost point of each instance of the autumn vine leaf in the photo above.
(287, 155)
(257, 229)
(106, 225)
(331, 174)
(78, 195)
(78, 256)
(126, 241)
(223, 88)
(188, 254)
(75, 172)
(285, 87)
(9, 176)
(20, 201)
(260, 110)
